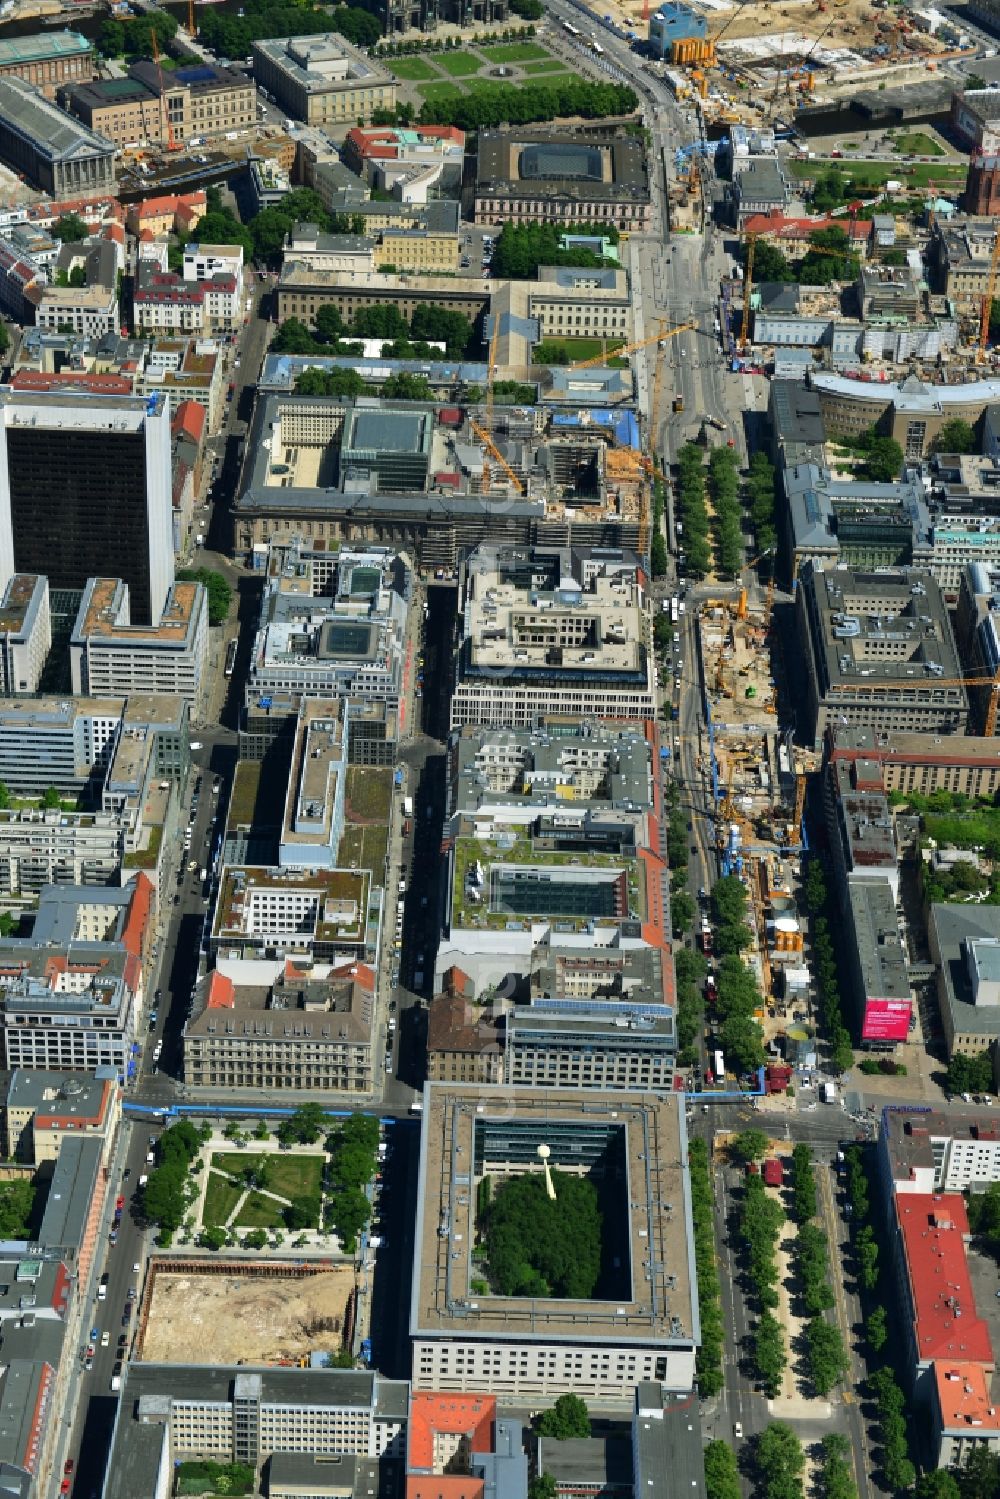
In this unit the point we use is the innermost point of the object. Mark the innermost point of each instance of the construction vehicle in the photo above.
(678, 403)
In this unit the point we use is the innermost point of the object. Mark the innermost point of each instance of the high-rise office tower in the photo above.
(85, 491)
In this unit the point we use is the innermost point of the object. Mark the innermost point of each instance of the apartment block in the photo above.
(40, 847)
(172, 1412)
(879, 651)
(91, 308)
(109, 656)
(71, 993)
(25, 633)
(927, 1150)
(323, 80)
(534, 1349)
(309, 1029)
(200, 304)
(552, 631)
(42, 1109)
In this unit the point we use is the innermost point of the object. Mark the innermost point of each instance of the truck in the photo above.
(719, 1066)
(678, 403)
(102, 1289)
(407, 806)
(829, 1092)
(706, 936)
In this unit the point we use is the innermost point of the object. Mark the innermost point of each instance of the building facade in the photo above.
(55, 152)
(323, 80)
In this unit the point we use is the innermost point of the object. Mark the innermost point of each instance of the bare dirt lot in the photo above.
(220, 1319)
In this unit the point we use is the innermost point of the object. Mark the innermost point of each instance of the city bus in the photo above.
(231, 658)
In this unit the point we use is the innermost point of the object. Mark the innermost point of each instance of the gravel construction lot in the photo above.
(220, 1319)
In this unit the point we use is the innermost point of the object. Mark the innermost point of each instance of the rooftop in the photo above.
(556, 161)
(964, 1399)
(466, 1128)
(952, 929)
(51, 132)
(911, 1137)
(934, 1229)
(41, 46)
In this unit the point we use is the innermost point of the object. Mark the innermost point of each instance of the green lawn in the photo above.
(877, 173)
(440, 90)
(294, 1176)
(551, 65)
(369, 790)
(916, 143)
(260, 1212)
(516, 52)
(458, 64)
(588, 348)
(365, 848)
(412, 68)
(221, 1196)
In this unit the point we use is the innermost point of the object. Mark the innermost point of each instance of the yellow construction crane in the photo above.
(491, 371)
(495, 453)
(991, 287)
(192, 26)
(172, 143)
(971, 679)
(626, 349)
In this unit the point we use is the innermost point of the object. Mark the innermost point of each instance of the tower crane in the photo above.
(172, 143)
(626, 349)
(991, 287)
(970, 679)
(192, 24)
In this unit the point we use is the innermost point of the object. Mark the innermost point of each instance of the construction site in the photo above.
(269, 1312)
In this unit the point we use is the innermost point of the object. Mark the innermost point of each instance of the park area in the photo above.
(242, 1317)
(266, 1190)
(437, 75)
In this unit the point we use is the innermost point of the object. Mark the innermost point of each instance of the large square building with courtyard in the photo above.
(562, 177)
(642, 1321)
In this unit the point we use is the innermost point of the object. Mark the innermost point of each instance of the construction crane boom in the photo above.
(192, 24)
(172, 144)
(747, 289)
(626, 349)
(487, 441)
(991, 288)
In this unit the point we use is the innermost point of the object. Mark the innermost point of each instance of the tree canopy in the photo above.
(233, 36)
(955, 436)
(504, 103)
(70, 228)
(539, 1247)
(521, 248)
(216, 585)
(568, 1418)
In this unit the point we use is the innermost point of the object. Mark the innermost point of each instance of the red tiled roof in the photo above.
(221, 992)
(444, 1486)
(98, 385)
(189, 418)
(362, 975)
(946, 1325)
(963, 1394)
(140, 909)
(470, 1416)
(785, 226)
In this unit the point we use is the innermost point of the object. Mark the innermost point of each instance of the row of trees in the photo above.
(723, 484)
(836, 1476)
(410, 47)
(490, 104)
(521, 248)
(890, 1404)
(353, 1151)
(232, 35)
(737, 993)
(407, 340)
(761, 1222)
(170, 1190)
(657, 543)
(825, 969)
(826, 1356)
(691, 509)
(709, 1356)
(760, 488)
(779, 1462)
(803, 1184)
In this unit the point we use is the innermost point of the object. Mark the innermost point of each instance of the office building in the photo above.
(552, 631)
(923, 763)
(860, 826)
(931, 1150)
(152, 106)
(41, 846)
(553, 175)
(323, 80)
(563, 1046)
(964, 943)
(879, 651)
(301, 1027)
(169, 1413)
(644, 1326)
(389, 157)
(71, 993)
(331, 915)
(976, 628)
(313, 820)
(574, 302)
(56, 153)
(25, 633)
(759, 186)
(975, 117)
(909, 411)
(673, 23)
(110, 656)
(85, 492)
(43, 1109)
(48, 59)
(878, 978)
(72, 743)
(960, 251)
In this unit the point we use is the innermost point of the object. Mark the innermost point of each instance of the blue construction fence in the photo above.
(232, 1111)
